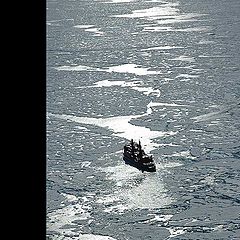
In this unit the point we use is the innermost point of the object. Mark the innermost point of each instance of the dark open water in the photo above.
(165, 72)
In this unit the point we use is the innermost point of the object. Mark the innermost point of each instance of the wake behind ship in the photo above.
(134, 155)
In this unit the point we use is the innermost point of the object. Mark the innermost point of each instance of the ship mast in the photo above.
(132, 147)
(140, 150)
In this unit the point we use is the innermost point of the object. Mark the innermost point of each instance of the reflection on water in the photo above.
(154, 13)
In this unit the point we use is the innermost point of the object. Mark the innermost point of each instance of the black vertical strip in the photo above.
(38, 119)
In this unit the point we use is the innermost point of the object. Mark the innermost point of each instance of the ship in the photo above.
(134, 155)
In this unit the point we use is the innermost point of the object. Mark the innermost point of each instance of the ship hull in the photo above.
(139, 166)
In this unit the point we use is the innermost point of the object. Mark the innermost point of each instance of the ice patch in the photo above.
(124, 68)
(157, 104)
(135, 85)
(184, 58)
(206, 42)
(160, 48)
(75, 68)
(89, 28)
(162, 166)
(147, 90)
(94, 237)
(66, 215)
(153, 13)
(121, 127)
(85, 164)
(107, 83)
(83, 26)
(159, 218)
(70, 198)
(82, 128)
(183, 154)
(95, 30)
(131, 68)
(176, 231)
(185, 77)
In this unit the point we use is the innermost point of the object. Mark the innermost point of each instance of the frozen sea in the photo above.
(165, 72)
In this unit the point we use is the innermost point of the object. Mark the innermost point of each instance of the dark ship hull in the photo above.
(138, 165)
(134, 156)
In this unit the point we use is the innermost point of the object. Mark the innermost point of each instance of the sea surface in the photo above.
(165, 72)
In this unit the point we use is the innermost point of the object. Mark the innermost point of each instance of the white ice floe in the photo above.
(184, 58)
(90, 28)
(186, 77)
(94, 237)
(176, 231)
(156, 104)
(159, 218)
(95, 30)
(136, 85)
(83, 26)
(85, 164)
(82, 128)
(147, 90)
(132, 68)
(121, 127)
(107, 83)
(161, 48)
(184, 154)
(124, 68)
(112, 83)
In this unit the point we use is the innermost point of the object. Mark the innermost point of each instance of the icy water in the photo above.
(167, 73)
